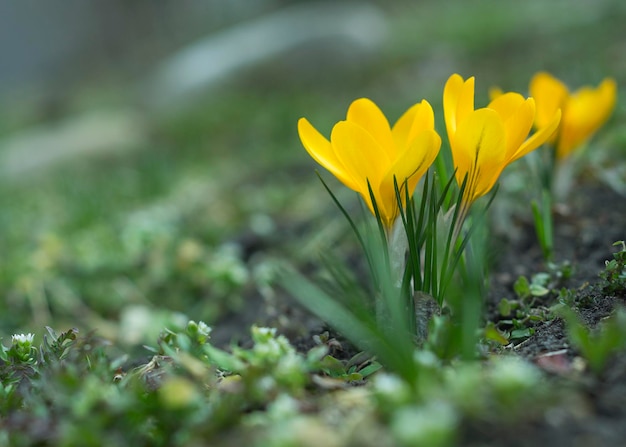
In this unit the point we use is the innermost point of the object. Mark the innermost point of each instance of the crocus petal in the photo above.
(517, 127)
(506, 104)
(418, 118)
(458, 101)
(607, 97)
(477, 149)
(407, 171)
(362, 157)
(518, 115)
(364, 153)
(411, 165)
(320, 149)
(549, 94)
(587, 110)
(364, 113)
(539, 137)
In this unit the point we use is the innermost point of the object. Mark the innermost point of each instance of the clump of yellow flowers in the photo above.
(584, 111)
(369, 156)
(384, 164)
(486, 140)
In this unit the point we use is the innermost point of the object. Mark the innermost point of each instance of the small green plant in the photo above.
(18, 362)
(614, 273)
(598, 344)
(529, 291)
(358, 367)
(533, 303)
(21, 350)
(270, 367)
(355, 369)
(22, 360)
(519, 316)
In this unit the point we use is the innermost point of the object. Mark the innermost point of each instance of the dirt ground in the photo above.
(584, 236)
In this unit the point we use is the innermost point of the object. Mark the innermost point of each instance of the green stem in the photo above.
(542, 211)
(544, 225)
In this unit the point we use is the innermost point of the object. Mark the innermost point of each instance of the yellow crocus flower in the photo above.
(584, 111)
(484, 141)
(364, 148)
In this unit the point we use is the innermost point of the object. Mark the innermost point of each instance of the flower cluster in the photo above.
(367, 155)
(484, 141)
(584, 111)
(370, 157)
(424, 252)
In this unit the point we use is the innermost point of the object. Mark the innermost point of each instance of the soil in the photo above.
(584, 235)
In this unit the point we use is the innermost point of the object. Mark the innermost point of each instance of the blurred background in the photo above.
(150, 168)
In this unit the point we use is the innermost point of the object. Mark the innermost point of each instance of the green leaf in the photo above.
(493, 334)
(332, 366)
(504, 307)
(538, 290)
(354, 377)
(223, 359)
(521, 333)
(370, 369)
(393, 350)
(522, 287)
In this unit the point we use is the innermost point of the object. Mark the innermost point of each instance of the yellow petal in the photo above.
(518, 115)
(320, 149)
(458, 101)
(364, 113)
(478, 151)
(587, 110)
(507, 104)
(518, 126)
(414, 162)
(362, 157)
(409, 168)
(539, 137)
(418, 118)
(549, 94)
